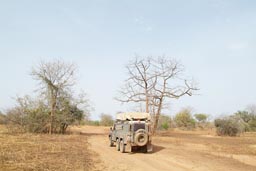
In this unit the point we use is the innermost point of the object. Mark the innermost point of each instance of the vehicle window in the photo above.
(138, 126)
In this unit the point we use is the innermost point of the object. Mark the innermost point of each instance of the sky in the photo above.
(214, 39)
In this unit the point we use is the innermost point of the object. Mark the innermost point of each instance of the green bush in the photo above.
(34, 116)
(184, 119)
(249, 118)
(165, 126)
(252, 125)
(37, 120)
(230, 126)
(164, 122)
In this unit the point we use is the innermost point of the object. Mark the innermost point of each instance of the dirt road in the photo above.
(177, 152)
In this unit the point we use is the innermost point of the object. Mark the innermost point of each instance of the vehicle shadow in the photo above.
(156, 149)
(92, 134)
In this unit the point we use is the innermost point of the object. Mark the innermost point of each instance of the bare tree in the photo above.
(153, 81)
(139, 83)
(55, 79)
(169, 84)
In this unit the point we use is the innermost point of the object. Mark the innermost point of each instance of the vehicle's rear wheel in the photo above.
(110, 142)
(117, 145)
(122, 146)
(141, 138)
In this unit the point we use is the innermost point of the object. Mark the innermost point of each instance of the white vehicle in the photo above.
(131, 130)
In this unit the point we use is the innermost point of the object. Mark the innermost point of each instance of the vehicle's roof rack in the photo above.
(133, 116)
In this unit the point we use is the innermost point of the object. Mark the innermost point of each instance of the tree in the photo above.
(140, 82)
(184, 119)
(106, 120)
(152, 81)
(201, 118)
(55, 78)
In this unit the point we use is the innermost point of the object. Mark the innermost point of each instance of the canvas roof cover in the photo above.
(133, 116)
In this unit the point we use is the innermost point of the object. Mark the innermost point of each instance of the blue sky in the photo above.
(214, 39)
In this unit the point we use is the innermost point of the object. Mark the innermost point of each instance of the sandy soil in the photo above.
(177, 151)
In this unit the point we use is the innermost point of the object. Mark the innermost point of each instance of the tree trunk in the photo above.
(157, 115)
(51, 119)
(147, 102)
(53, 107)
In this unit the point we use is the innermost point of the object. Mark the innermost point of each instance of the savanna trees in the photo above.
(56, 106)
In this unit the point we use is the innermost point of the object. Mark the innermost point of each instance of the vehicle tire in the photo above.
(117, 145)
(141, 138)
(110, 142)
(122, 146)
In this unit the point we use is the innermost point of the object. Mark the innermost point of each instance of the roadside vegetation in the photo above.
(229, 125)
(54, 106)
(238, 123)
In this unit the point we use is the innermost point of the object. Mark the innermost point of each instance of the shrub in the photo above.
(249, 118)
(37, 120)
(2, 118)
(93, 123)
(67, 116)
(106, 120)
(184, 119)
(34, 116)
(165, 126)
(164, 122)
(230, 126)
(252, 125)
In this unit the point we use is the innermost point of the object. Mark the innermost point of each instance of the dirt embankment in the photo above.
(178, 151)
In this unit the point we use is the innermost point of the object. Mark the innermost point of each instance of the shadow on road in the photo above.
(156, 149)
(92, 134)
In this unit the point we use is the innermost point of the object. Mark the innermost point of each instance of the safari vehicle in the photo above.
(133, 131)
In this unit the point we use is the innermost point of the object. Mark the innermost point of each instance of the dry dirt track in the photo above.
(177, 152)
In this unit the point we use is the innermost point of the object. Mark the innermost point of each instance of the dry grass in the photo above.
(242, 145)
(44, 152)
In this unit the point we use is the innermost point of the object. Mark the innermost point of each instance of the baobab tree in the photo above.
(153, 81)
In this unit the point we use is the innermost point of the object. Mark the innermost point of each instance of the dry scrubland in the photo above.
(39, 152)
(87, 149)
